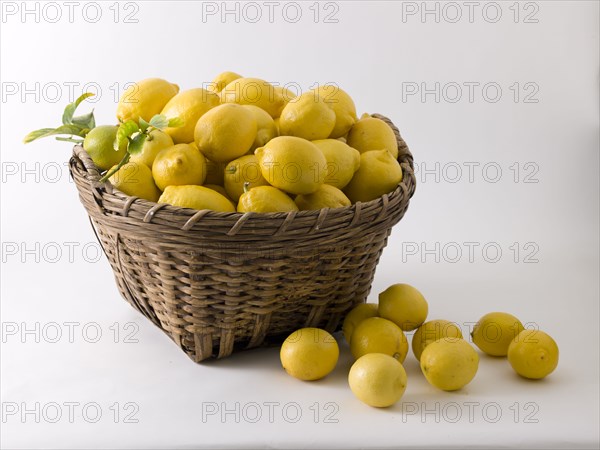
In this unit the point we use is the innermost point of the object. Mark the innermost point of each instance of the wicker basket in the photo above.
(221, 282)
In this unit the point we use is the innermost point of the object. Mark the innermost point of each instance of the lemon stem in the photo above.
(246, 186)
(111, 172)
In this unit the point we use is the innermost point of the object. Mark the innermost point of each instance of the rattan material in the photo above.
(221, 282)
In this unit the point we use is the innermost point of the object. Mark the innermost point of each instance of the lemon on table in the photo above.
(156, 141)
(309, 354)
(325, 197)
(343, 107)
(292, 164)
(196, 197)
(179, 165)
(377, 335)
(145, 99)
(379, 173)
(377, 380)
(533, 354)
(98, 143)
(222, 80)
(356, 316)
(253, 91)
(449, 363)
(308, 117)
(404, 305)
(342, 161)
(265, 199)
(240, 171)
(135, 179)
(265, 126)
(188, 106)
(370, 133)
(494, 332)
(432, 331)
(225, 132)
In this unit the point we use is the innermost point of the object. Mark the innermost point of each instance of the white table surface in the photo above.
(150, 395)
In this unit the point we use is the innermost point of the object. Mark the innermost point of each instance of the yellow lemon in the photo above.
(253, 91)
(325, 197)
(225, 132)
(377, 380)
(196, 197)
(494, 332)
(189, 106)
(377, 335)
(215, 172)
(265, 199)
(145, 99)
(179, 165)
(309, 354)
(432, 331)
(404, 305)
(370, 133)
(156, 141)
(240, 171)
(356, 316)
(379, 173)
(265, 127)
(292, 164)
(308, 117)
(135, 179)
(533, 354)
(343, 107)
(222, 80)
(342, 161)
(98, 143)
(286, 95)
(449, 363)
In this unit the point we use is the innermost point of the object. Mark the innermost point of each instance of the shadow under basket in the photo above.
(219, 282)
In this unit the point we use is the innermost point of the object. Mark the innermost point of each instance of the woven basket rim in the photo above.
(82, 166)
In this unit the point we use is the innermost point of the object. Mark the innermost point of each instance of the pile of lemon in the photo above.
(375, 333)
(246, 145)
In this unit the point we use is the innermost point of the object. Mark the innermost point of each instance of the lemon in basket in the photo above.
(325, 197)
(494, 332)
(370, 133)
(309, 354)
(196, 197)
(265, 127)
(253, 91)
(226, 132)
(188, 106)
(379, 173)
(145, 99)
(343, 107)
(292, 164)
(98, 143)
(449, 363)
(135, 179)
(181, 164)
(308, 117)
(342, 161)
(404, 305)
(377, 380)
(533, 354)
(377, 335)
(156, 141)
(432, 331)
(222, 80)
(241, 171)
(265, 199)
(356, 316)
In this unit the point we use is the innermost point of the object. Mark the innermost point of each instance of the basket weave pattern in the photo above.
(220, 282)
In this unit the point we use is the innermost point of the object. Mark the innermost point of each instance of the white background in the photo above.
(376, 54)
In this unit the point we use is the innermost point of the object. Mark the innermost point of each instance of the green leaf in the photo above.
(159, 121)
(72, 130)
(87, 120)
(125, 131)
(143, 124)
(71, 107)
(176, 122)
(136, 144)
